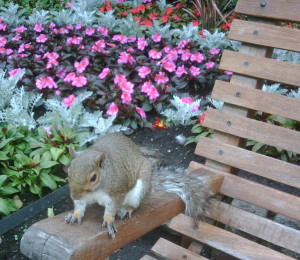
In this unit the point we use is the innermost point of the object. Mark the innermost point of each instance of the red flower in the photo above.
(176, 17)
(153, 16)
(146, 22)
(138, 9)
(195, 23)
(108, 7)
(201, 118)
(197, 12)
(226, 26)
(159, 125)
(177, 6)
(136, 18)
(102, 9)
(123, 13)
(165, 18)
(202, 34)
(169, 10)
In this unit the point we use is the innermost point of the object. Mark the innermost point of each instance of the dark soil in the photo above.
(173, 154)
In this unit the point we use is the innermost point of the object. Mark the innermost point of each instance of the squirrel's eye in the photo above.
(93, 178)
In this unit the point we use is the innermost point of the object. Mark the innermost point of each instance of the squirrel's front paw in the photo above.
(109, 222)
(72, 218)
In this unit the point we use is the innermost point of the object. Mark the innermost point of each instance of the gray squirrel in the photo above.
(117, 174)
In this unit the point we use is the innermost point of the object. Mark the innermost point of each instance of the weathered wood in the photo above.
(147, 257)
(196, 247)
(170, 251)
(54, 239)
(251, 129)
(257, 100)
(265, 35)
(262, 68)
(273, 9)
(255, 225)
(225, 241)
(262, 165)
(255, 193)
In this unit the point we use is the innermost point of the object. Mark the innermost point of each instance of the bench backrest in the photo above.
(235, 123)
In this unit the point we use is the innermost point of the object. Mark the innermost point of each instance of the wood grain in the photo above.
(147, 257)
(255, 225)
(54, 239)
(265, 35)
(259, 164)
(170, 251)
(257, 100)
(260, 67)
(274, 9)
(225, 241)
(251, 129)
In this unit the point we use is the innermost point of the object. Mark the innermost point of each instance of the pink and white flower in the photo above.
(125, 58)
(74, 40)
(120, 38)
(195, 71)
(180, 71)
(2, 26)
(126, 86)
(104, 73)
(210, 65)
(42, 38)
(17, 37)
(183, 43)
(89, 31)
(156, 37)
(98, 46)
(161, 78)
(186, 56)
(78, 26)
(187, 100)
(113, 109)
(144, 71)
(198, 57)
(169, 66)
(38, 27)
(70, 77)
(126, 97)
(150, 90)
(119, 78)
(20, 29)
(13, 72)
(3, 41)
(131, 39)
(81, 66)
(214, 51)
(154, 54)
(141, 112)
(79, 81)
(45, 82)
(69, 101)
(103, 30)
(142, 44)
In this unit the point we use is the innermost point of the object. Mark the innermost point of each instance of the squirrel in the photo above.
(117, 174)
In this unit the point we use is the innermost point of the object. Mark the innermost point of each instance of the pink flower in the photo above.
(183, 43)
(113, 109)
(167, 49)
(51, 25)
(104, 73)
(172, 55)
(45, 82)
(81, 66)
(63, 31)
(17, 37)
(194, 71)
(68, 101)
(198, 57)
(209, 65)
(48, 129)
(2, 26)
(38, 27)
(142, 43)
(125, 58)
(52, 56)
(141, 112)
(120, 38)
(150, 90)
(187, 100)
(58, 92)
(126, 97)
(98, 46)
(20, 29)
(119, 78)
(24, 46)
(180, 71)
(74, 40)
(228, 72)
(103, 30)
(69, 4)
(78, 26)
(186, 56)
(154, 54)
(41, 38)
(79, 81)
(70, 77)
(13, 72)
(130, 50)
(196, 107)
(156, 37)
(131, 39)
(144, 71)
(61, 73)
(214, 51)
(89, 31)
(169, 66)
(161, 78)
(3, 41)
(126, 86)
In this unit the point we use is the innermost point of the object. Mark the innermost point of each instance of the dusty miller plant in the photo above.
(12, 15)
(129, 27)
(274, 88)
(107, 20)
(42, 17)
(16, 105)
(289, 56)
(183, 113)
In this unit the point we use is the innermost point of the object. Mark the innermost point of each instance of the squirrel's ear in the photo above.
(72, 152)
(100, 159)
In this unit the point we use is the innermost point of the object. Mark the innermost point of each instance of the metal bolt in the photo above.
(263, 4)
(184, 256)
(255, 32)
(229, 123)
(246, 64)
(238, 94)
(221, 152)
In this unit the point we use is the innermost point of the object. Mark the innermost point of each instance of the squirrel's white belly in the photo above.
(133, 197)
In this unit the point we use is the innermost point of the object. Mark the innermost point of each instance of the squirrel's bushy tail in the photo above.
(194, 191)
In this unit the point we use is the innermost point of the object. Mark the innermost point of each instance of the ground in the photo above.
(173, 154)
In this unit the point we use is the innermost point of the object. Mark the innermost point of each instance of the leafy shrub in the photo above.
(29, 160)
(136, 74)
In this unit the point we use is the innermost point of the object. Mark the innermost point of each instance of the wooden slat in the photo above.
(262, 165)
(255, 193)
(262, 68)
(225, 241)
(265, 35)
(273, 135)
(170, 251)
(257, 100)
(53, 239)
(274, 9)
(147, 257)
(255, 225)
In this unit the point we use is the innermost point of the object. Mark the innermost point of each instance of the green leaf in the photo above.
(18, 203)
(4, 206)
(56, 152)
(3, 178)
(48, 181)
(23, 158)
(65, 160)
(48, 164)
(46, 156)
(35, 189)
(257, 147)
(5, 142)
(7, 190)
(3, 156)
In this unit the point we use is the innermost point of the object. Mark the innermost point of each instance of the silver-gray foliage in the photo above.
(289, 56)
(42, 17)
(12, 14)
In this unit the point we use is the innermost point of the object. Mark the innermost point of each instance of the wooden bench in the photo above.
(236, 233)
